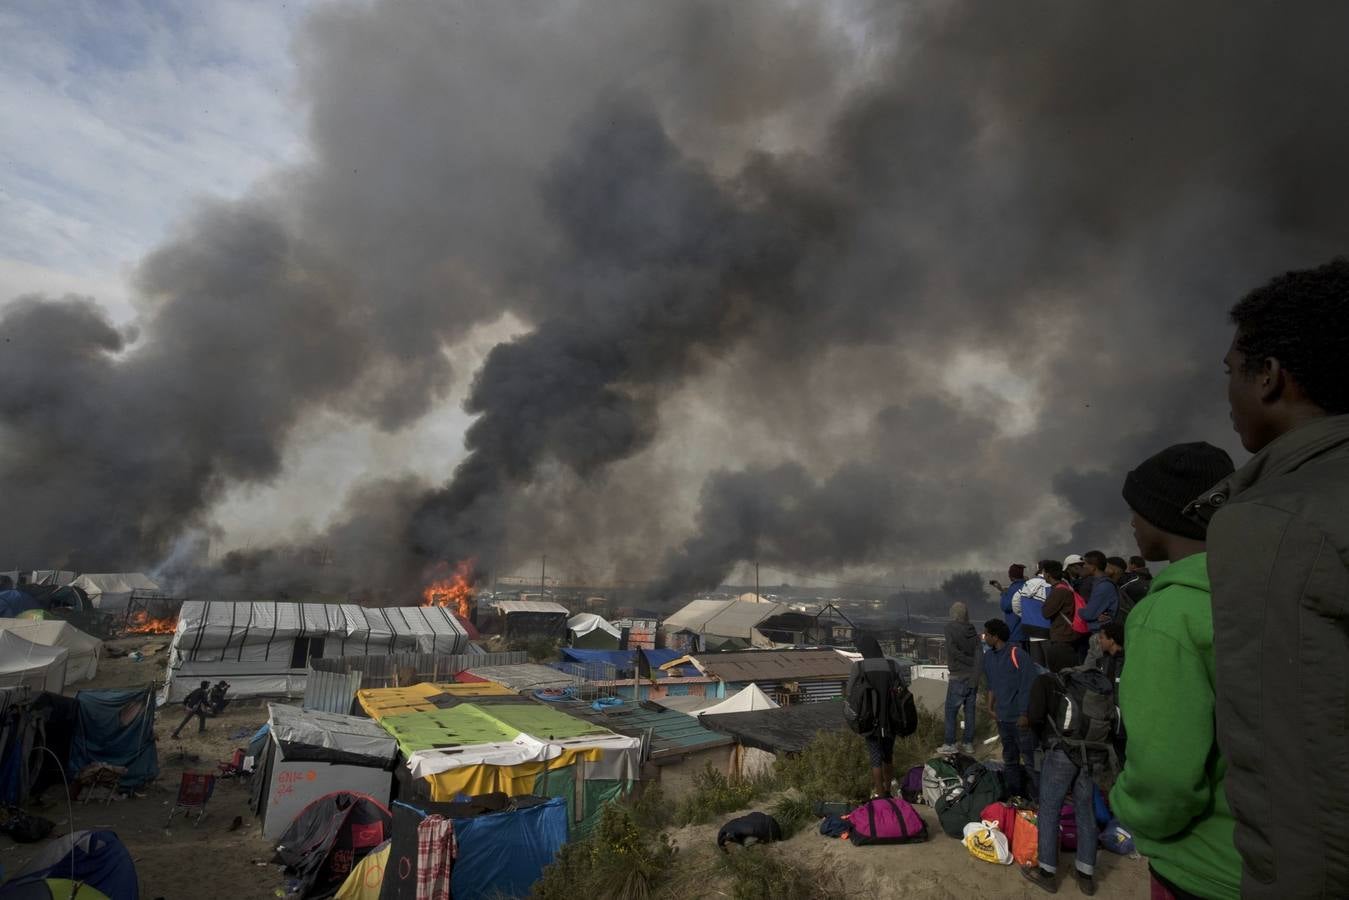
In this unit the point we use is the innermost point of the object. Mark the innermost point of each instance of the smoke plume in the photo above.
(840, 288)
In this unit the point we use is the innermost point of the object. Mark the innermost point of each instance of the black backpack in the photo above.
(963, 803)
(1083, 715)
(870, 709)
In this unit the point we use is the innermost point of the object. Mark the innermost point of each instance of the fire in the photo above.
(451, 589)
(141, 622)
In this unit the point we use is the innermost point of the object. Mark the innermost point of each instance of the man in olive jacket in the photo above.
(1278, 562)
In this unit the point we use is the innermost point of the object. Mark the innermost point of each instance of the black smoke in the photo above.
(753, 244)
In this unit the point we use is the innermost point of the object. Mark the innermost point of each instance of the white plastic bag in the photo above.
(986, 841)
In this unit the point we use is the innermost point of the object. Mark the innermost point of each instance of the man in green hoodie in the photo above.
(1170, 793)
(1279, 561)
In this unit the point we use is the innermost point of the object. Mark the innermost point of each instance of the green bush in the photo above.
(793, 813)
(918, 747)
(539, 650)
(650, 810)
(714, 793)
(834, 766)
(618, 861)
(766, 873)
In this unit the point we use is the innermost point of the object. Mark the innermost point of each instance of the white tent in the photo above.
(748, 699)
(113, 590)
(31, 665)
(84, 649)
(263, 649)
(583, 624)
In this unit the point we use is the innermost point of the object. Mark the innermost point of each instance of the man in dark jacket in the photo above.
(1061, 651)
(1099, 591)
(1135, 583)
(962, 680)
(1010, 671)
(1278, 562)
(195, 705)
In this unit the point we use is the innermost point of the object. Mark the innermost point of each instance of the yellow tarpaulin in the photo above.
(367, 878)
(381, 702)
(514, 781)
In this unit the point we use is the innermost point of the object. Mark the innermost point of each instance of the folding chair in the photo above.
(98, 775)
(194, 791)
(228, 768)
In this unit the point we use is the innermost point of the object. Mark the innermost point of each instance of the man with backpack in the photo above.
(1009, 671)
(962, 681)
(1170, 794)
(1075, 719)
(1061, 611)
(1134, 586)
(1100, 592)
(880, 708)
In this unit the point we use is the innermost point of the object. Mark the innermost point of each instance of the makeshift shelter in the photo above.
(84, 649)
(788, 729)
(112, 591)
(810, 674)
(676, 745)
(34, 666)
(501, 854)
(526, 619)
(523, 676)
(264, 649)
(378, 703)
(748, 699)
(329, 837)
(51, 889)
(713, 624)
(117, 728)
(311, 754)
(592, 632)
(518, 749)
(98, 858)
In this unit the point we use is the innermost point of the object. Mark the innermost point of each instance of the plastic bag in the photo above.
(1026, 839)
(988, 844)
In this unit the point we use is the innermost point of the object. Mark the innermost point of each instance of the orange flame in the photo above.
(452, 590)
(141, 622)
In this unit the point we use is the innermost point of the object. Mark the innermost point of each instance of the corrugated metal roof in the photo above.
(530, 606)
(786, 730)
(774, 665)
(524, 677)
(671, 732)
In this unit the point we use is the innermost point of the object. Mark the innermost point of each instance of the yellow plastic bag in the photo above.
(987, 843)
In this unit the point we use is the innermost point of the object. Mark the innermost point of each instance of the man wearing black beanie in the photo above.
(1279, 563)
(1170, 794)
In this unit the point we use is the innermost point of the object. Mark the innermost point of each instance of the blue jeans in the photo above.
(1018, 759)
(960, 693)
(1058, 777)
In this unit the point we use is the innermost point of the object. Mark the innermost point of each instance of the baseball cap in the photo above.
(1072, 559)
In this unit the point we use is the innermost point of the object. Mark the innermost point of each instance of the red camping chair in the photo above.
(228, 768)
(194, 791)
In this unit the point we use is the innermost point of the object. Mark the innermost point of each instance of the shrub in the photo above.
(650, 810)
(834, 766)
(793, 813)
(616, 862)
(765, 873)
(714, 793)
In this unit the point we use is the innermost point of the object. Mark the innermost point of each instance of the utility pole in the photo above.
(543, 578)
(757, 595)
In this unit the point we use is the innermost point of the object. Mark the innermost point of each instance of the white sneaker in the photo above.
(967, 749)
(947, 750)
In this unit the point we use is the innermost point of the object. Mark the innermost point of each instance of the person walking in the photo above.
(1278, 561)
(195, 704)
(962, 680)
(1009, 671)
(1170, 794)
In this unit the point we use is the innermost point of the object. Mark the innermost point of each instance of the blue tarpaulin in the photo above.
(13, 602)
(624, 660)
(503, 854)
(118, 728)
(100, 860)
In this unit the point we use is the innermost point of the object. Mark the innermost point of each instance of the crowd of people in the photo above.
(1226, 758)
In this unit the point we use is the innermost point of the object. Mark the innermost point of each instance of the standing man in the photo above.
(195, 704)
(1010, 672)
(962, 682)
(1029, 604)
(1134, 586)
(1099, 591)
(1279, 564)
(1170, 794)
(1061, 650)
(883, 674)
(1016, 577)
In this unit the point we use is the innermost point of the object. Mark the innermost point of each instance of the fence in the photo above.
(590, 680)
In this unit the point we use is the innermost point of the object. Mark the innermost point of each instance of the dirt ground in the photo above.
(182, 861)
(939, 869)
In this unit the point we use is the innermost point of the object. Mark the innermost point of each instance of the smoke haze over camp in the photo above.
(844, 289)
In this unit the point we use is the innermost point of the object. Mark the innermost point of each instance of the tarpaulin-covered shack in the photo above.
(527, 619)
(264, 649)
(309, 754)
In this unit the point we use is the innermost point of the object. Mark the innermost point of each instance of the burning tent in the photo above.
(264, 649)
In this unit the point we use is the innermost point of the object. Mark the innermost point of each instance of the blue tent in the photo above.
(13, 602)
(100, 860)
(118, 728)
